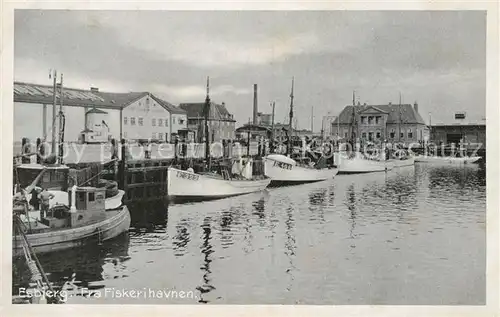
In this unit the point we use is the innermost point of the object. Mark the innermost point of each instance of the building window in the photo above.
(363, 120)
(363, 135)
(153, 122)
(410, 134)
(181, 121)
(166, 122)
(160, 136)
(132, 120)
(378, 135)
(140, 121)
(402, 135)
(125, 120)
(160, 122)
(377, 120)
(370, 136)
(370, 120)
(345, 135)
(153, 136)
(393, 134)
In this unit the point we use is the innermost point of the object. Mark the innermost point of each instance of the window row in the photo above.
(154, 136)
(140, 121)
(371, 119)
(154, 121)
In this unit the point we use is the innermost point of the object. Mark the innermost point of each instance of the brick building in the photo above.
(221, 123)
(394, 123)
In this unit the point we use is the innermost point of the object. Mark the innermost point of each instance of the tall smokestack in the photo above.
(255, 105)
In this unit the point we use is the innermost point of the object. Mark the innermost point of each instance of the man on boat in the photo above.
(45, 198)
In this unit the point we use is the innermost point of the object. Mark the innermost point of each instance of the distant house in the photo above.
(131, 115)
(221, 123)
(394, 123)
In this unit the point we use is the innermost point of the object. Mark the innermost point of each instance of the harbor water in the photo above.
(414, 235)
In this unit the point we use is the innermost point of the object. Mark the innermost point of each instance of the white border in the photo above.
(252, 310)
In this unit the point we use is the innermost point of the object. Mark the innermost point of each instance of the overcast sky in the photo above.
(435, 58)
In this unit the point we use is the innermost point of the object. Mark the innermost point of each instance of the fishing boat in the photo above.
(76, 215)
(284, 171)
(447, 159)
(207, 184)
(359, 164)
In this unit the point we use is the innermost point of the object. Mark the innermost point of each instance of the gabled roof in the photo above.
(217, 112)
(168, 106)
(368, 108)
(408, 113)
(95, 110)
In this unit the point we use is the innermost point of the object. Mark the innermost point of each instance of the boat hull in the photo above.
(447, 160)
(361, 166)
(287, 174)
(188, 186)
(55, 240)
(403, 163)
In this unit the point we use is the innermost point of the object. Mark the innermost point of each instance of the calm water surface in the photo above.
(415, 235)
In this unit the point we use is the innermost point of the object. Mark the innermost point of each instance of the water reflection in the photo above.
(83, 267)
(290, 245)
(181, 238)
(206, 250)
(351, 206)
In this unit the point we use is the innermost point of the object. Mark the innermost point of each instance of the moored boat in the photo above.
(447, 159)
(285, 171)
(186, 185)
(75, 216)
(359, 164)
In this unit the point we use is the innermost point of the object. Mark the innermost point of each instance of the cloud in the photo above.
(435, 57)
(193, 93)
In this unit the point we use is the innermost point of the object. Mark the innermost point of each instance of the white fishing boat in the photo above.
(186, 185)
(447, 159)
(76, 215)
(359, 164)
(285, 171)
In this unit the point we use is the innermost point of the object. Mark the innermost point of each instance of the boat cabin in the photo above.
(55, 177)
(89, 207)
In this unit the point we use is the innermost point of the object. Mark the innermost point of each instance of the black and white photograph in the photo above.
(249, 157)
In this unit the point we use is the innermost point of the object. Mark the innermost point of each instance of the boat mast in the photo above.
(54, 112)
(399, 121)
(290, 124)
(207, 113)
(61, 123)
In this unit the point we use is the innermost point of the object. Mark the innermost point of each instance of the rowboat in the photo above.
(76, 215)
(186, 185)
(447, 159)
(285, 171)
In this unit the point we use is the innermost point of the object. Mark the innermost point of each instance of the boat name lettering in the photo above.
(189, 176)
(283, 165)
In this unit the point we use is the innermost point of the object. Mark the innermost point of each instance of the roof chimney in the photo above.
(415, 106)
(94, 89)
(255, 104)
